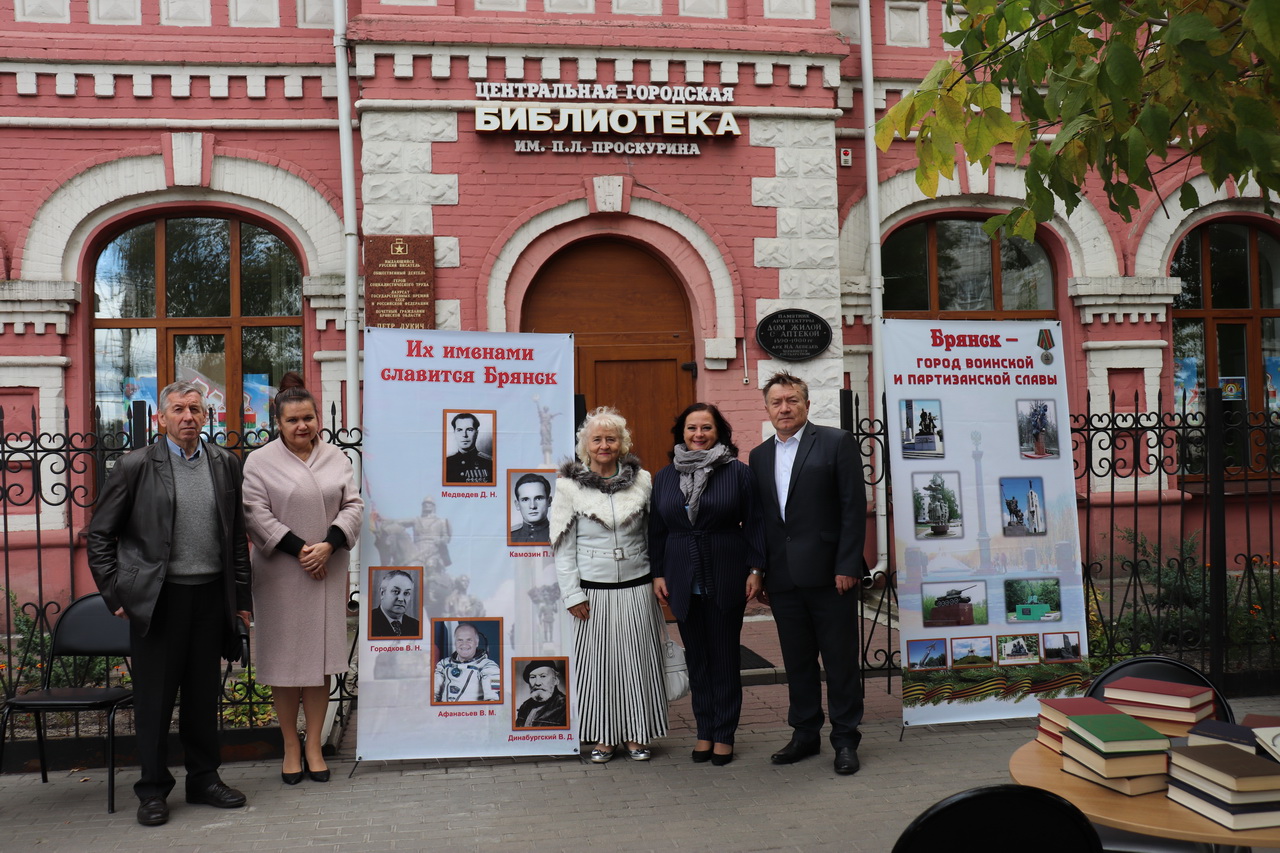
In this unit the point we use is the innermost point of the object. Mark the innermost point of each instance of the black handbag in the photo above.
(236, 646)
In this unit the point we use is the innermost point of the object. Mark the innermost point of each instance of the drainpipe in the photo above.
(881, 568)
(351, 290)
(346, 147)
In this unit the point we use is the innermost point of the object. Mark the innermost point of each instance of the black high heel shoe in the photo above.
(294, 778)
(319, 775)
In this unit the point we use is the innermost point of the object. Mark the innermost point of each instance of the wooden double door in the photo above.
(633, 335)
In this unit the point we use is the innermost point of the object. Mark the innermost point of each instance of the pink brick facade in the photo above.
(111, 109)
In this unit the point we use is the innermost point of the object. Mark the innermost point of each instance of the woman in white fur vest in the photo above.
(599, 531)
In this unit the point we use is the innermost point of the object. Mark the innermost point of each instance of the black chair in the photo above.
(1162, 669)
(1001, 819)
(86, 629)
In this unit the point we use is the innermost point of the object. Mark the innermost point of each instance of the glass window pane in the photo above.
(1271, 362)
(964, 266)
(906, 269)
(270, 277)
(1229, 266)
(1026, 277)
(124, 371)
(197, 268)
(1188, 364)
(202, 359)
(124, 281)
(1269, 270)
(1186, 266)
(267, 354)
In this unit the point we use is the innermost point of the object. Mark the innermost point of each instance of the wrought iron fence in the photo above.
(1178, 524)
(49, 482)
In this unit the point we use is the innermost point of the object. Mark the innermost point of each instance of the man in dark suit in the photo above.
(815, 507)
(168, 551)
(391, 619)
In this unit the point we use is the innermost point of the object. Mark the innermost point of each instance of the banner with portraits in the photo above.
(463, 644)
(986, 535)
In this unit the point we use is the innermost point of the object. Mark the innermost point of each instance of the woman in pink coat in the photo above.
(303, 511)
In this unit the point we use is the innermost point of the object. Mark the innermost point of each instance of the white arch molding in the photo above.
(1089, 244)
(723, 346)
(1165, 230)
(76, 210)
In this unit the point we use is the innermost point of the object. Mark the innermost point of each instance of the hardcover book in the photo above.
(1112, 733)
(1051, 739)
(1113, 766)
(1268, 737)
(1258, 721)
(1163, 712)
(1058, 710)
(1217, 791)
(1131, 688)
(1220, 731)
(1254, 816)
(1230, 767)
(1132, 786)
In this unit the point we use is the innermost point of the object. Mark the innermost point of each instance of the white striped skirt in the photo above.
(621, 693)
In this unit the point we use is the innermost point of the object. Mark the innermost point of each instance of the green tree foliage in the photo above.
(1124, 89)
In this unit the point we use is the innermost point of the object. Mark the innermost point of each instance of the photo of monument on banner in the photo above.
(986, 536)
(461, 433)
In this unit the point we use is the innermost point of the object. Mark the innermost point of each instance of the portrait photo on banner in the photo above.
(529, 511)
(541, 693)
(469, 447)
(395, 607)
(468, 656)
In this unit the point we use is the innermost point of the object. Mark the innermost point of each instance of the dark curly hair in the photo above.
(724, 432)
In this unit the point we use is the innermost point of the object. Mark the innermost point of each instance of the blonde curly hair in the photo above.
(607, 418)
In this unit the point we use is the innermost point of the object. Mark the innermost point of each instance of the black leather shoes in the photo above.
(795, 750)
(153, 811)
(217, 795)
(847, 760)
(318, 775)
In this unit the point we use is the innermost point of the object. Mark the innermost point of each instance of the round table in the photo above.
(1150, 814)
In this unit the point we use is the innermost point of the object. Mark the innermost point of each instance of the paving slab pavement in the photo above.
(558, 804)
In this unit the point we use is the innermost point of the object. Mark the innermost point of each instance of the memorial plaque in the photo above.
(793, 334)
(399, 281)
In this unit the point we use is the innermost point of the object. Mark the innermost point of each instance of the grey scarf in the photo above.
(695, 466)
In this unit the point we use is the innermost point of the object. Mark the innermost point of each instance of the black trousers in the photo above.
(712, 640)
(815, 621)
(182, 652)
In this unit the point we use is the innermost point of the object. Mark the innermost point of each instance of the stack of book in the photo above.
(1226, 785)
(1169, 708)
(1117, 751)
(1054, 714)
(1210, 731)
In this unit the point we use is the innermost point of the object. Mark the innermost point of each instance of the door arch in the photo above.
(633, 334)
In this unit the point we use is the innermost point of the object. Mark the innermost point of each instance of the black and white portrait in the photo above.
(542, 698)
(469, 438)
(395, 602)
(529, 518)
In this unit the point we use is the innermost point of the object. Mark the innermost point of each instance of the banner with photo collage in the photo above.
(464, 646)
(986, 536)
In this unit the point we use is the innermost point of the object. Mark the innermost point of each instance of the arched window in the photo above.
(1226, 320)
(951, 268)
(211, 299)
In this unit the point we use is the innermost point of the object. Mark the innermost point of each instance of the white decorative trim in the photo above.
(907, 23)
(1089, 243)
(399, 189)
(42, 11)
(570, 7)
(71, 214)
(115, 12)
(500, 5)
(333, 378)
(586, 60)
(722, 347)
(637, 7)
(185, 13)
(1119, 298)
(315, 14)
(607, 191)
(326, 296)
(1166, 228)
(138, 81)
(38, 305)
(796, 10)
(255, 13)
(188, 159)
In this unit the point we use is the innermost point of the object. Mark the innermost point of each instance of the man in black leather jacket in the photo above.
(168, 551)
